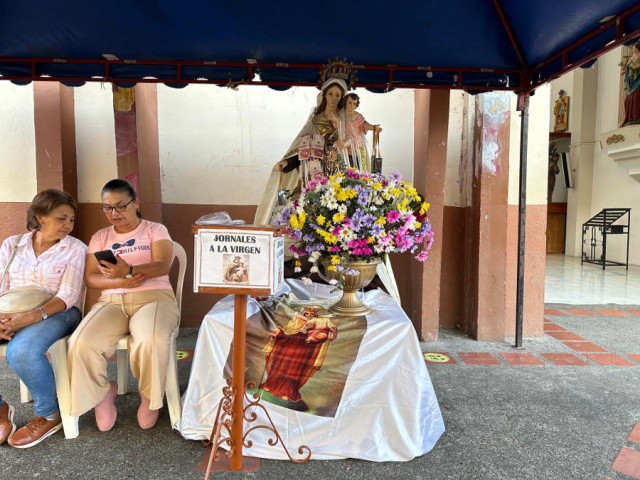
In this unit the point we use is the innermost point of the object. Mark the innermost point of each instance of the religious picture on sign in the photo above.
(236, 268)
(299, 356)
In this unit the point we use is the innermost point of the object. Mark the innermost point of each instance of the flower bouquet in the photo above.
(355, 216)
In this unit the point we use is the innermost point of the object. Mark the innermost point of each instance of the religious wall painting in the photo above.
(300, 356)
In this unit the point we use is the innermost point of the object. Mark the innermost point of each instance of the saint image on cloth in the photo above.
(294, 353)
(299, 356)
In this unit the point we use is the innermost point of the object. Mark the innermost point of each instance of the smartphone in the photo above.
(106, 256)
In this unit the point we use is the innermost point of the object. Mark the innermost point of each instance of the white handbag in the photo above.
(21, 299)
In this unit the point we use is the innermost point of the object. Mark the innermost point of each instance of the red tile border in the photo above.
(608, 359)
(580, 312)
(438, 358)
(521, 359)
(551, 311)
(564, 359)
(565, 336)
(634, 356)
(585, 347)
(627, 462)
(634, 436)
(633, 312)
(478, 358)
(552, 327)
(610, 313)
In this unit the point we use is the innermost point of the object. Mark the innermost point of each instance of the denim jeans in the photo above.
(26, 356)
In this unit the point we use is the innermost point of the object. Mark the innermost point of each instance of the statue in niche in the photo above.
(561, 113)
(631, 72)
(554, 169)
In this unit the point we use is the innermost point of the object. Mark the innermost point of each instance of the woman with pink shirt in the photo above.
(136, 299)
(50, 258)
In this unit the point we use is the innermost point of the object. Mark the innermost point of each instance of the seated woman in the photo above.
(312, 154)
(136, 299)
(47, 257)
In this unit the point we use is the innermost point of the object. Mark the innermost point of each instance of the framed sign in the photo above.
(244, 259)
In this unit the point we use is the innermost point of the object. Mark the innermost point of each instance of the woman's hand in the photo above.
(119, 270)
(11, 323)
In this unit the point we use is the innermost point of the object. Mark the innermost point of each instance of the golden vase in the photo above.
(350, 304)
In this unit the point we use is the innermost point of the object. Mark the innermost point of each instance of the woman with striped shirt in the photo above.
(48, 257)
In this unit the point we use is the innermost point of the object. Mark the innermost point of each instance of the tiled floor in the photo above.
(568, 282)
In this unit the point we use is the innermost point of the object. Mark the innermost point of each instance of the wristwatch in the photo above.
(44, 314)
(130, 274)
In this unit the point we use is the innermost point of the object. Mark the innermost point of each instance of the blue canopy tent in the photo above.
(475, 45)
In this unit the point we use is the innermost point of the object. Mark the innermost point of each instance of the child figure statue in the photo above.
(352, 129)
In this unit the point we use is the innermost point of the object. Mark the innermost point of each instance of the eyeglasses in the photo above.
(118, 208)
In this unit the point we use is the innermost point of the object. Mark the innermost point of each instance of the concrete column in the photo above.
(430, 163)
(136, 130)
(486, 271)
(55, 138)
(148, 151)
(585, 91)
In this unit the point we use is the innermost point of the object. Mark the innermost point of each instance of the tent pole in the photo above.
(523, 107)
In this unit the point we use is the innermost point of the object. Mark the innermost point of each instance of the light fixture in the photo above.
(109, 56)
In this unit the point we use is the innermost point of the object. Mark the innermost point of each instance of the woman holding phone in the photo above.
(136, 299)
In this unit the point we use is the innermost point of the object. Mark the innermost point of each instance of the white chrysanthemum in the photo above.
(327, 198)
(315, 256)
(314, 269)
(347, 234)
(332, 204)
(300, 209)
(342, 208)
(411, 222)
(306, 280)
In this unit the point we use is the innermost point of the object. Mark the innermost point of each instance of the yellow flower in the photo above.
(351, 193)
(341, 196)
(293, 221)
(301, 218)
(403, 204)
(335, 260)
(298, 263)
(331, 268)
(376, 186)
(371, 240)
(424, 207)
(320, 220)
(338, 217)
(381, 221)
(418, 225)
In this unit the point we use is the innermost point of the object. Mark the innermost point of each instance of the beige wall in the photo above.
(17, 143)
(95, 139)
(218, 145)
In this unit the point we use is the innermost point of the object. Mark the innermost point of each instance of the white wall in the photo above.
(17, 143)
(537, 148)
(95, 139)
(612, 185)
(218, 146)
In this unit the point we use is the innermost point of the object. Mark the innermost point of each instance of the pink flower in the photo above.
(393, 216)
(422, 256)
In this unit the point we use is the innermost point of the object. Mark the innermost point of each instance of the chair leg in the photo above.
(60, 368)
(123, 370)
(25, 396)
(173, 388)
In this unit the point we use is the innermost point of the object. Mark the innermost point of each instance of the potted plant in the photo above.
(349, 221)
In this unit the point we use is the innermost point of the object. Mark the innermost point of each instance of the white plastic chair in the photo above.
(172, 389)
(58, 352)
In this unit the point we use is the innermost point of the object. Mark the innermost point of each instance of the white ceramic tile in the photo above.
(566, 281)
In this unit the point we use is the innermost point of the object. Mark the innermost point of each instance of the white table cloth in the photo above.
(387, 411)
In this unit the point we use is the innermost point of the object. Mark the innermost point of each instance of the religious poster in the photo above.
(239, 259)
(299, 356)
